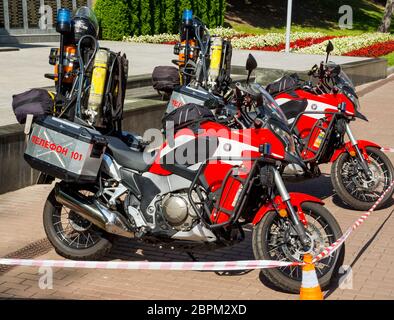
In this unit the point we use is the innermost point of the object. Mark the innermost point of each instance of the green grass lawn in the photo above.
(263, 16)
(244, 28)
(390, 58)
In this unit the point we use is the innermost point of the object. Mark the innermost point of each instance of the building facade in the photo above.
(33, 17)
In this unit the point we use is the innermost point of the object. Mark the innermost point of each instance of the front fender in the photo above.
(362, 144)
(297, 199)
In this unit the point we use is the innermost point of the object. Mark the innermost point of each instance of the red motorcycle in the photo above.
(319, 117)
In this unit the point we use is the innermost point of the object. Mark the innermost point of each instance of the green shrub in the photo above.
(135, 25)
(158, 16)
(146, 17)
(171, 17)
(114, 18)
(120, 18)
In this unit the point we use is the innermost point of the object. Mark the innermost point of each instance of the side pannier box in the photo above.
(183, 95)
(65, 150)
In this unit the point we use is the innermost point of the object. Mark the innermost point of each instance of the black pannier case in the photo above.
(183, 95)
(189, 115)
(37, 102)
(165, 78)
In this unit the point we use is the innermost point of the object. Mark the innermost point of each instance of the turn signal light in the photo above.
(283, 213)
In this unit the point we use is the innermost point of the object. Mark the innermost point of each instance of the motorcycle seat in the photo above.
(126, 157)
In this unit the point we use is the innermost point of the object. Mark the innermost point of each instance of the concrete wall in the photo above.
(14, 171)
(359, 72)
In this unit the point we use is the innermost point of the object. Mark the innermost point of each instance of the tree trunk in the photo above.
(388, 13)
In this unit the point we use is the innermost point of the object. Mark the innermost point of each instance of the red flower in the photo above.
(170, 42)
(373, 51)
(301, 43)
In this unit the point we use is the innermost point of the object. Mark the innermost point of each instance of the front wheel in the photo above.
(274, 238)
(354, 188)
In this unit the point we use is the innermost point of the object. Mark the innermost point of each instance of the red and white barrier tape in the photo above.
(195, 266)
(387, 149)
(147, 265)
(337, 244)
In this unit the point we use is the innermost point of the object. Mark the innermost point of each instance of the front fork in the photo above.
(298, 226)
(363, 162)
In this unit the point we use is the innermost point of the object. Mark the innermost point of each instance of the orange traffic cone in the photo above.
(310, 288)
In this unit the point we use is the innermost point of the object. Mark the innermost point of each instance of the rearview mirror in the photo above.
(251, 63)
(330, 47)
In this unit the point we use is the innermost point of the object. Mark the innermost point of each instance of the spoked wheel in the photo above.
(352, 185)
(274, 238)
(72, 236)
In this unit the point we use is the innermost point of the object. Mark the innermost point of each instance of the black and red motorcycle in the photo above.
(196, 192)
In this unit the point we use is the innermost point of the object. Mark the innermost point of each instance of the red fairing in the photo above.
(327, 104)
(243, 143)
(250, 137)
(156, 167)
(362, 144)
(296, 199)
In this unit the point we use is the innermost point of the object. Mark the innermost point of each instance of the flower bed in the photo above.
(373, 51)
(294, 45)
(271, 39)
(365, 45)
(157, 38)
(344, 45)
(166, 38)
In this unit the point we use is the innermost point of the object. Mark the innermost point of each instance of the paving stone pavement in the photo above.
(369, 251)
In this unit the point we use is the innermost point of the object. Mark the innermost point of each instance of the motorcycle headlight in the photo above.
(286, 138)
(354, 100)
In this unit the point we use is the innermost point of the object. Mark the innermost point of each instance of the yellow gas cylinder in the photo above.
(99, 75)
(216, 58)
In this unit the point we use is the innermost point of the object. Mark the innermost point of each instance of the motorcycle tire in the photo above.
(96, 251)
(278, 277)
(345, 195)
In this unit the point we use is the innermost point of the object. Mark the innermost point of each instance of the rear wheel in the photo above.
(354, 188)
(274, 238)
(72, 236)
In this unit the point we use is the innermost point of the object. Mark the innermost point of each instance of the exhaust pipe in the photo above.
(110, 221)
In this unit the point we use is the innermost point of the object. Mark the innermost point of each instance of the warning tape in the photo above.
(387, 149)
(195, 266)
(148, 265)
(337, 244)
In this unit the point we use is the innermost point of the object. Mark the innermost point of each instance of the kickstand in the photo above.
(191, 256)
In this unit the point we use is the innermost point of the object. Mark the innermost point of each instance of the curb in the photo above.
(7, 49)
(139, 81)
(376, 84)
(133, 82)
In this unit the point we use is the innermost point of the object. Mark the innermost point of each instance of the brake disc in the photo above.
(78, 223)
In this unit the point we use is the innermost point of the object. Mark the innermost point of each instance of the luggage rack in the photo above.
(246, 184)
